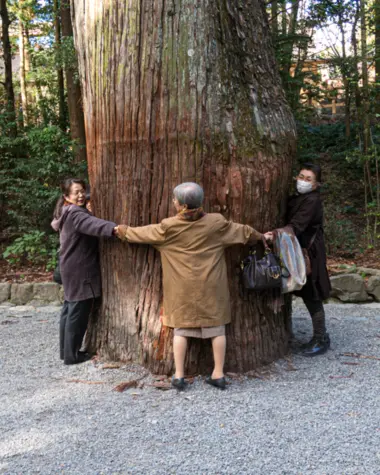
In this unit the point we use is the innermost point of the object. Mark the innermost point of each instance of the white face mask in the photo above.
(304, 187)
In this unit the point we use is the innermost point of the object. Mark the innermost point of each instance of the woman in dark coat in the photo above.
(305, 216)
(79, 265)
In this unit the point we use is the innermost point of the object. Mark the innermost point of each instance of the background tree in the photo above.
(8, 80)
(185, 92)
(74, 94)
(61, 86)
(377, 51)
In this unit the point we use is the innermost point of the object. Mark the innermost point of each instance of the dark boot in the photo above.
(320, 342)
(319, 346)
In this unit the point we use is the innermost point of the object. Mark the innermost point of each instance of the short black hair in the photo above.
(316, 169)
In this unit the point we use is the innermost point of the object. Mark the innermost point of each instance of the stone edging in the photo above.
(356, 284)
(41, 293)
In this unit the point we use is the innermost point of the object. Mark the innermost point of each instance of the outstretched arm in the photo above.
(153, 234)
(85, 223)
(234, 233)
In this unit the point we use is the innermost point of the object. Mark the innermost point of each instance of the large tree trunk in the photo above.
(174, 92)
(7, 54)
(74, 94)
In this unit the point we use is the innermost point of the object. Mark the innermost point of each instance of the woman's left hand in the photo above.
(121, 231)
(268, 236)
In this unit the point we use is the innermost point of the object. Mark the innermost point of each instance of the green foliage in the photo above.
(315, 141)
(32, 168)
(35, 247)
(340, 232)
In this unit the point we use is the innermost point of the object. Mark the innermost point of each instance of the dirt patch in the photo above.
(18, 275)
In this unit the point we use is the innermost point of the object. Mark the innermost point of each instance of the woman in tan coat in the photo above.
(196, 293)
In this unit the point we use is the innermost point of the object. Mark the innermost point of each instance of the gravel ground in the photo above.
(308, 416)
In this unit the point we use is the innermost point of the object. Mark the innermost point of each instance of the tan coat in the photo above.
(196, 292)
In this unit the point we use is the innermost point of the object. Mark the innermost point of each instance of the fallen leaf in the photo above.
(342, 377)
(351, 363)
(353, 414)
(112, 365)
(84, 381)
(159, 377)
(161, 385)
(359, 355)
(126, 385)
(290, 365)
(232, 375)
(255, 374)
(129, 384)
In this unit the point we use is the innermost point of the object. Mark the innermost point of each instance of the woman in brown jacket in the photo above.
(196, 293)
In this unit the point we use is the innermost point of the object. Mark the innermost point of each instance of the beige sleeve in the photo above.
(234, 233)
(154, 234)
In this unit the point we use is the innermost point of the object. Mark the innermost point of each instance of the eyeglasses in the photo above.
(305, 178)
(78, 192)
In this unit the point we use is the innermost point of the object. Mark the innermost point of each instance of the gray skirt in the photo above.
(204, 333)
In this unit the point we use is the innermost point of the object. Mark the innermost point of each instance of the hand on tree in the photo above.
(121, 231)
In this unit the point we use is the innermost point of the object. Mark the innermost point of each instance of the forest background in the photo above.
(328, 55)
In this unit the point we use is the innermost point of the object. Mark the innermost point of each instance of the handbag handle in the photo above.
(267, 249)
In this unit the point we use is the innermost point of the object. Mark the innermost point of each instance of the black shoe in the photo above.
(82, 358)
(319, 347)
(309, 344)
(219, 383)
(179, 383)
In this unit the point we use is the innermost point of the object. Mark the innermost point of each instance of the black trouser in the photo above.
(73, 325)
(317, 313)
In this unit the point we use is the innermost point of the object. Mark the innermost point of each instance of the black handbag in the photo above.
(57, 274)
(261, 274)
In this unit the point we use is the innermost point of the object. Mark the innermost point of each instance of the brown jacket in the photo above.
(196, 292)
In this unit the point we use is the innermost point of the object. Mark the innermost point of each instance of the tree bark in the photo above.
(354, 42)
(23, 69)
(7, 54)
(74, 94)
(365, 104)
(377, 54)
(345, 78)
(61, 85)
(274, 19)
(174, 92)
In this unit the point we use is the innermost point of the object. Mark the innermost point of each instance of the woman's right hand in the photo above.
(268, 236)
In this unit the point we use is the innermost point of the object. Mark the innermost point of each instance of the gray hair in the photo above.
(189, 194)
